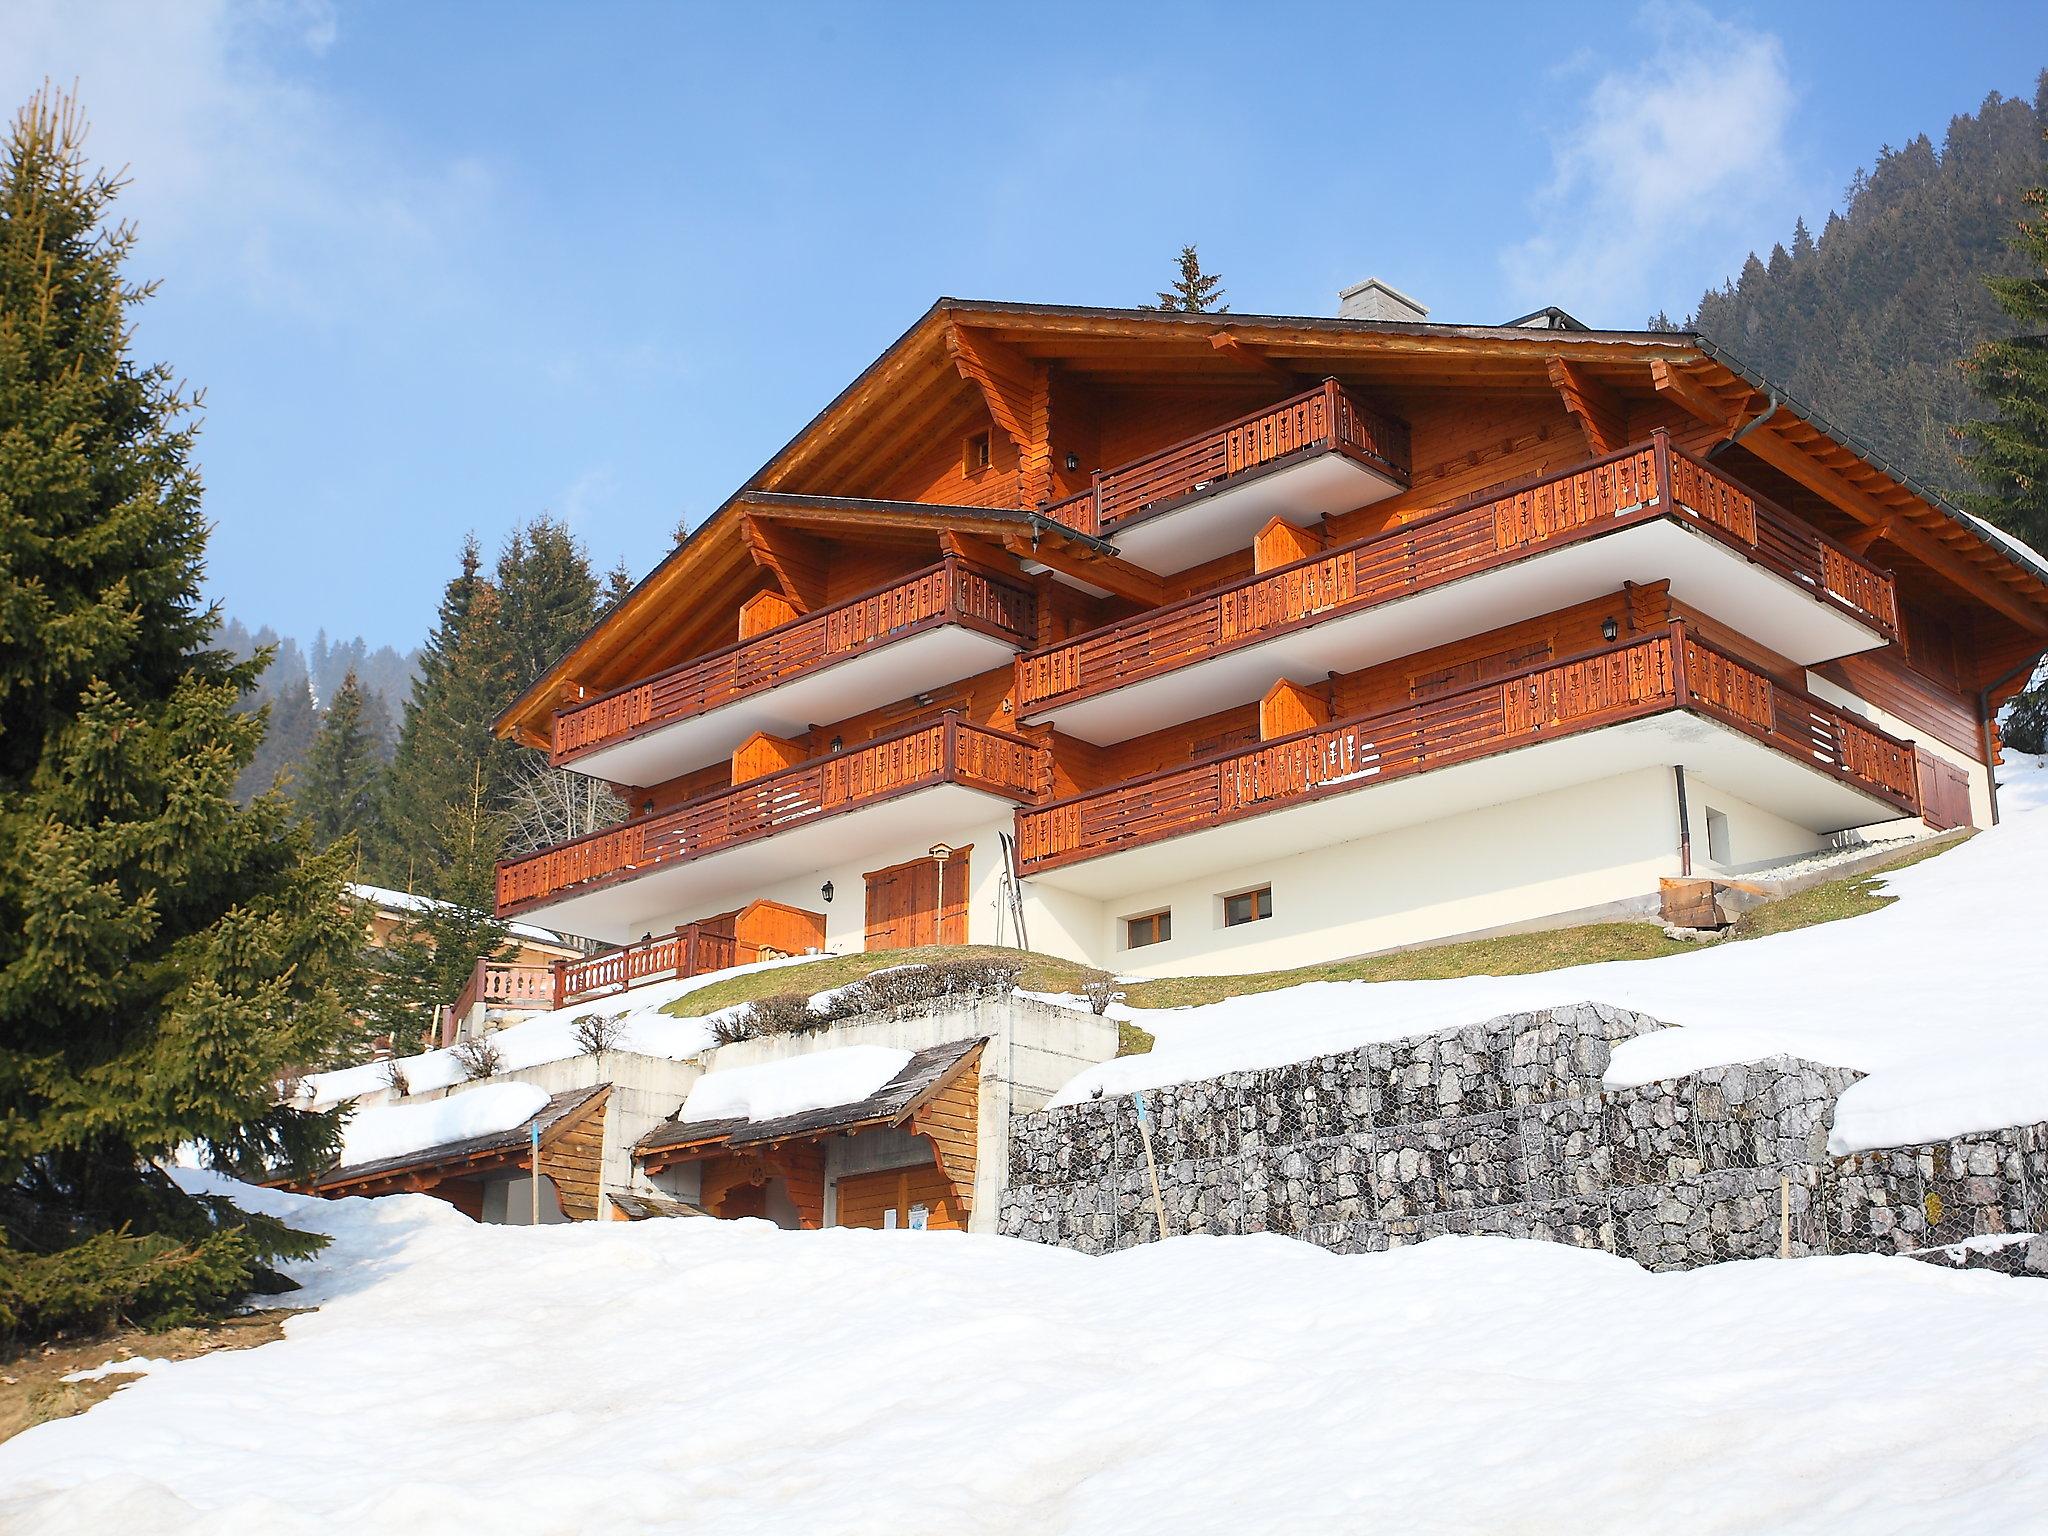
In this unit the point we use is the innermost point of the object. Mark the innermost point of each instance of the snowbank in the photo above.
(512, 1380)
(393, 1130)
(819, 1080)
(1936, 998)
(552, 1037)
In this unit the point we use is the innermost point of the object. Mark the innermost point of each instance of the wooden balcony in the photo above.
(943, 623)
(1316, 453)
(1774, 577)
(1661, 674)
(619, 883)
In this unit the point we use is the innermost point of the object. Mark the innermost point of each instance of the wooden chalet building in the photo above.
(1214, 643)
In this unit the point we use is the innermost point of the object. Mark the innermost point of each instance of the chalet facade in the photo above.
(1182, 643)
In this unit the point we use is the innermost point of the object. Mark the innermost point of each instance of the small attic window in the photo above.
(974, 454)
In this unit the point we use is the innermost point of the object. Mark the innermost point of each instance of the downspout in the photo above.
(1984, 727)
(1722, 447)
(1684, 825)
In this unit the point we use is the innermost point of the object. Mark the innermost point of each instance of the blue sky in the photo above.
(440, 267)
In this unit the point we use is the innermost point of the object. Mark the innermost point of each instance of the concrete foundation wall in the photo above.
(1504, 1128)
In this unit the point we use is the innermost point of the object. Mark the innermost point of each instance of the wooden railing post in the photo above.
(1332, 400)
(561, 977)
(1681, 684)
(1660, 448)
(686, 951)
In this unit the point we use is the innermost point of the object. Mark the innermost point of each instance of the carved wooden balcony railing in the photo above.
(950, 592)
(1324, 417)
(1648, 481)
(1667, 670)
(948, 751)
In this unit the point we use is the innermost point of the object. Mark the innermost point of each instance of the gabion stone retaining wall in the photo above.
(1503, 1127)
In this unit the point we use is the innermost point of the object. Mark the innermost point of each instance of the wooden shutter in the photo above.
(1944, 791)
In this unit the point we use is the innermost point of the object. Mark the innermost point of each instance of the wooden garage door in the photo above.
(908, 908)
(1944, 791)
(867, 1199)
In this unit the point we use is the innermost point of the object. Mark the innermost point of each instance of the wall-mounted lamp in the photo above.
(825, 891)
(647, 808)
(925, 699)
(836, 743)
(1609, 629)
(1073, 462)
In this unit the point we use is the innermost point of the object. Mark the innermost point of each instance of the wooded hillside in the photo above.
(1866, 324)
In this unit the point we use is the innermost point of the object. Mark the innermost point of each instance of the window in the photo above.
(1717, 837)
(1247, 906)
(974, 454)
(1152, 928)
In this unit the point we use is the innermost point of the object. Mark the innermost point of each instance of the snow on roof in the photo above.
(406, 901)
(375, 1135)
(1936, 998)
(552, 1037)
(775, 1090)
(2025, 552)
(487, 1378)
(921, 1075)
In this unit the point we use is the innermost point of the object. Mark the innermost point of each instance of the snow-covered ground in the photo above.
(713, 1377)
(1938, 998)
(552, 1037)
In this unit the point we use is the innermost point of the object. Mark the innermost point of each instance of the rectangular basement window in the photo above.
(974, 454)
(1717, 837)
(1248, 907)
(1152, 928)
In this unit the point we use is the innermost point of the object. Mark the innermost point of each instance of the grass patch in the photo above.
(32, 1386)
(1042, 973)
(1513, 954)
(1833, 900)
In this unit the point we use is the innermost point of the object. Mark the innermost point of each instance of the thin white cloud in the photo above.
(1672, 160)
(244, 173)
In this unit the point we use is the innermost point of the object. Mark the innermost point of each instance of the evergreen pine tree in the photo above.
(2008, 452)
(465, 679)
(166, 958)
(1193, 290)
(425, 965)
(337, 789)
(549, 594)
(290, 722)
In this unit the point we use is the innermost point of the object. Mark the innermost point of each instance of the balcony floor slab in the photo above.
(867, 679)
(1704, 573)
(1725, 757)
(1215, 522)
(901, 826)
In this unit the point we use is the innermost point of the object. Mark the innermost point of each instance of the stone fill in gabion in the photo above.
(1504, 1128)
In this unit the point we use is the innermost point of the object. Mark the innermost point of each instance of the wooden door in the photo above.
(1944, 792)
(870, 1199)
(914, 904)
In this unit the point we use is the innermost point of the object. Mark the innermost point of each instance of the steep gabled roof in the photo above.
(926, 378)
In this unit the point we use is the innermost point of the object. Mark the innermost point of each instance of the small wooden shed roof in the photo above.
(923, 1076)
(471, 1154)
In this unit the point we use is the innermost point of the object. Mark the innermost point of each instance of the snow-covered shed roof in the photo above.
(488, 1147)
(925, 1074)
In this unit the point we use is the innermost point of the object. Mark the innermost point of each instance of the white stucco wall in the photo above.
(1577, 848)
(1755, 836)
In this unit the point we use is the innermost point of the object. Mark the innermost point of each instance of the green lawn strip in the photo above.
(1513, 954)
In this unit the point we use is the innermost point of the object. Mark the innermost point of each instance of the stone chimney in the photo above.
(1375, 300)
